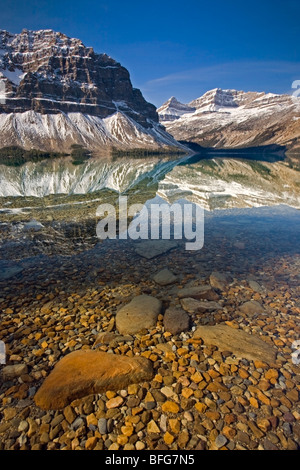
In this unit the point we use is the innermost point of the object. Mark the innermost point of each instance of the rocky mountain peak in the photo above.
(219, 98)
(173, 109)
(56, 92)
(49, 72)
(237, 119)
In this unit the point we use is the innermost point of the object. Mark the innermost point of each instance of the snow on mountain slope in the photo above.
(55, 92)
(235, 119)
(57, 132)
(173, 109)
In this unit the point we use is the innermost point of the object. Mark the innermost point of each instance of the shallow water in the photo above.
(60, 287)
(248, 214)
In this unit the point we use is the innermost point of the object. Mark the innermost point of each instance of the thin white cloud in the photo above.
(263, 76)
(234, 69)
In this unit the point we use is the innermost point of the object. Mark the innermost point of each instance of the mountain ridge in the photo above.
(237, 119)
(46, 73)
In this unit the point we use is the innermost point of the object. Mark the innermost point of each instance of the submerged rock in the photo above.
(176, 320)
(256, 287)
(219, 280)
(14, 371)
(164, 277)
(197, 306)
(252, 307)
(7, 273)
(151, 248)
(240, 343)
(198, 292)
(140, 313)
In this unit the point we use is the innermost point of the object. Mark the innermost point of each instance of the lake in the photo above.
(61, 291)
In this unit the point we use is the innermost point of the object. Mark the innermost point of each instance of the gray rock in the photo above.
(164, 277)
(251, 307)
(198, 293)
(14, 371)
(102, 425)
(33, 225)
(197, 306)
(220, 441)
(240, 343)
(256, 287)
(151, 248)
(140, 313)
(176, 320)
(78, 423)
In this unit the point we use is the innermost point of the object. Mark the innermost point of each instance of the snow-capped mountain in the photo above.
(56, 92)
(237, 119)
(173, 109)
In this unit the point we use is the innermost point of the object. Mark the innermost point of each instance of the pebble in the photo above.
(102, 425)
(114, 402)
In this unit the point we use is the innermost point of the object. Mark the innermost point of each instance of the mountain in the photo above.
(173, 109)
(237, 119)
(56, 92)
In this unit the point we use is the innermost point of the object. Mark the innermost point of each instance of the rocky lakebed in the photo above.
(143, 345)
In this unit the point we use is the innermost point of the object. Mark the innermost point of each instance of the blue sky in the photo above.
(179, 48)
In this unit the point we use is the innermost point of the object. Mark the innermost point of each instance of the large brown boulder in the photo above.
(88, 372)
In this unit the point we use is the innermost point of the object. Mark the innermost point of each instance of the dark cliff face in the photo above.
(48, 72)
